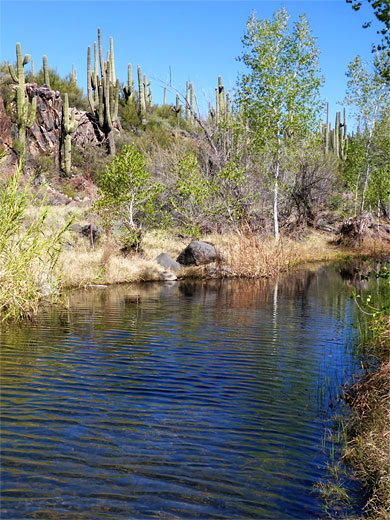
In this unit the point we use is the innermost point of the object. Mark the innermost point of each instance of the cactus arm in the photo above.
(90, 84)
(33, 113)
(13, 74)
(113, 78)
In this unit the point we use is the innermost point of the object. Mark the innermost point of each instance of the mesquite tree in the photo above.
(279, 96)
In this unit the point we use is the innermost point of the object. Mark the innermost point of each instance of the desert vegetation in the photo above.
(262, 175)
(259, 170)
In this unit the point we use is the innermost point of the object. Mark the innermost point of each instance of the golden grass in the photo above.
(247, 254)
(369, 449)
(253, 256)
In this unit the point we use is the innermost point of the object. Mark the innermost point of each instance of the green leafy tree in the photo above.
(382, 13)
(368, 95)
(279, 97)
(128, 196)
(199, 199)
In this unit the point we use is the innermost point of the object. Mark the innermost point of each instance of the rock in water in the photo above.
(168, 262)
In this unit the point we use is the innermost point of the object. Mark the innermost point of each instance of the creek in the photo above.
(206, 399)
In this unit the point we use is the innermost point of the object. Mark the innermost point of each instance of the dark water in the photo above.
(191, 400)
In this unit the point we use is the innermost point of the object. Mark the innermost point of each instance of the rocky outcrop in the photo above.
(5, 126)
(45, 135)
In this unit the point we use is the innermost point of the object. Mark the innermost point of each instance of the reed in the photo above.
(28, 258)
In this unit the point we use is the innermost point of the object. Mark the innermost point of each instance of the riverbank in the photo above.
(368, 431)
(48, 254)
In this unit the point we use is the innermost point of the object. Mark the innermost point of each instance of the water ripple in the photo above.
(192, 402)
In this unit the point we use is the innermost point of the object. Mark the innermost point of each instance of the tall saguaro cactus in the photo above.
(46, 75)
(141, 92)
(69, 126)
(128, 90)
(335, 140)
(103, 92)
(25, 112)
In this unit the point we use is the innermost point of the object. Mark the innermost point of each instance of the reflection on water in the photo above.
(189, 400)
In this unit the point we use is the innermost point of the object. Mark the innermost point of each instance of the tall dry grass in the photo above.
(253, 256)
(368, 450)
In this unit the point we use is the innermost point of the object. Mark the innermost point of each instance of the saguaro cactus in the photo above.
(335, 140)
(46, 76)
(192, 102)
(141, 92)
(178, 108)
(25, 112)
(103, 93)
(128, 90)
(69, 126)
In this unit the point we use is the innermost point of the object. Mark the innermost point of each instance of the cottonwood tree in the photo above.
(382, 12)
(279, 97)
(368, 94)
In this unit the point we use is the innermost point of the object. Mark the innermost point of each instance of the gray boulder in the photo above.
(168, 262)
(198, 253)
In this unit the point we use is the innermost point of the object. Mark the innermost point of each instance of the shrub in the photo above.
(28, 259)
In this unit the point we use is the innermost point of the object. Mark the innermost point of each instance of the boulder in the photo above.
(198, 253)
(86, 231)
(168, 262)
(168, 276)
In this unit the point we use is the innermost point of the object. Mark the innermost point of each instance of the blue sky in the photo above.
(197, 41)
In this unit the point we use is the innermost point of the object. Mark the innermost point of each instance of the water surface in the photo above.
(190, 400)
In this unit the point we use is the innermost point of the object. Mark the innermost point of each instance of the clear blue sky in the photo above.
(198, 41)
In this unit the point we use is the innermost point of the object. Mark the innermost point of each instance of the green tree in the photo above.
(279, 96)
(382, 12)
(128, 196)
(368, 95)
(197, 199)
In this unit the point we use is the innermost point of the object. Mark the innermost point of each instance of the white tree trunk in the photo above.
(275, 203)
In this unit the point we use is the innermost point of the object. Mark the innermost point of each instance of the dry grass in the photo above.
(252, 256)
(369, 448)
(247, 254)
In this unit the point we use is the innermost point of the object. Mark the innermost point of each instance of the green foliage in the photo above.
(128, 196)
(43, 165)
(280, 93)
(382, 12)
(278, 99)
(198, 199)
(129, 114)
(368, 95)
(28, 259)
